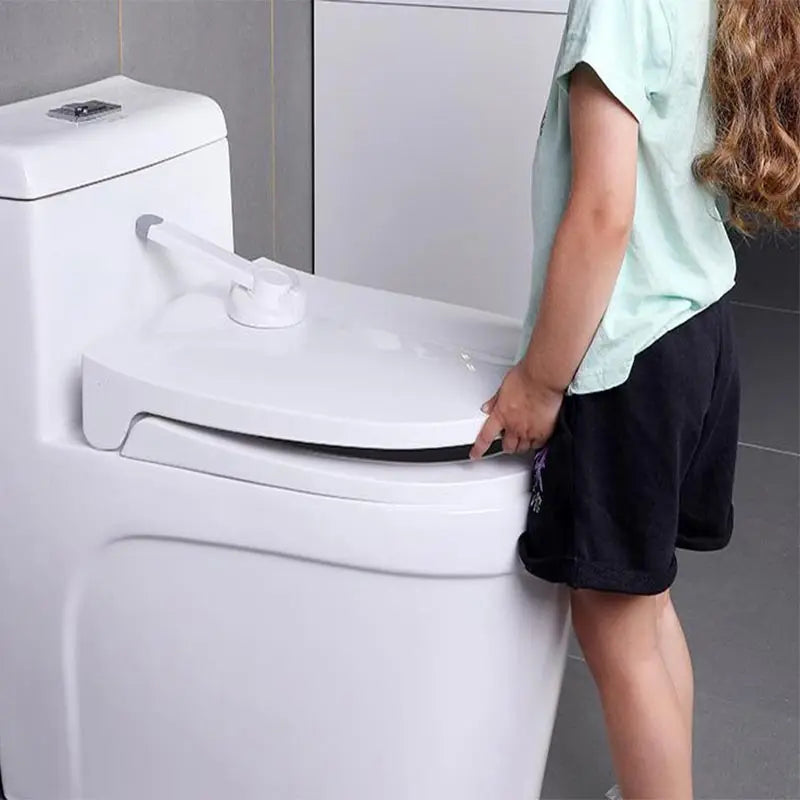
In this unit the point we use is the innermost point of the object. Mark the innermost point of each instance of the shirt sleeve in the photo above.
(628, 43)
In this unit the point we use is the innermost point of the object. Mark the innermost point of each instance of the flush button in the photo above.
(84, 112)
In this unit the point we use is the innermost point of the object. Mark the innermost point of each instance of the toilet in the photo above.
(243, 552)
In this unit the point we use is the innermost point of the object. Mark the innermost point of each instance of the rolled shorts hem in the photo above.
(579, 574)
(696, 538)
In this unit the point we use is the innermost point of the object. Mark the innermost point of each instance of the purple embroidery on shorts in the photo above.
(539, 463)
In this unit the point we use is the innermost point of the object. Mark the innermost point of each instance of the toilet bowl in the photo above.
(243, 553)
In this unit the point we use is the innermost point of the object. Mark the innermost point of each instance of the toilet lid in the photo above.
(366, 368)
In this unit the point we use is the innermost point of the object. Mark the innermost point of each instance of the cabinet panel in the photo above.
(426, 121)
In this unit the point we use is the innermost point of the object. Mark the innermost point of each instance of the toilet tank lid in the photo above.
(43, 155)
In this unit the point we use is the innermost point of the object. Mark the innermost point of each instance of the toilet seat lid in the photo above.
(366, 369)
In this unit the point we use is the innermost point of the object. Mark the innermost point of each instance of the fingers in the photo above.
(488, 406)
(510, 443)
(489, 432)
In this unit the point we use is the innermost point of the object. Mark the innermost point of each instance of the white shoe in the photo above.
(613, 793)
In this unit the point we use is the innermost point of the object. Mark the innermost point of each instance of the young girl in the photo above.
(627, 373)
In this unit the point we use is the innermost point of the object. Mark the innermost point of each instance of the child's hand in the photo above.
(525, 412)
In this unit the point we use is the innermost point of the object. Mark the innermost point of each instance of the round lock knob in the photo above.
(270, 285)
(275, 301)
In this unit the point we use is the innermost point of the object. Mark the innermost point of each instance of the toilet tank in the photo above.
(74, 177)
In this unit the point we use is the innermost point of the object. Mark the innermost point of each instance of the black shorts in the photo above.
(634, 472)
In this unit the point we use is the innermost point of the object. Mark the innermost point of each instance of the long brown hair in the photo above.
(755, 87)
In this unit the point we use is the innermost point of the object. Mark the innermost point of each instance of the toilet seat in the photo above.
(365, 369)
(456, 484)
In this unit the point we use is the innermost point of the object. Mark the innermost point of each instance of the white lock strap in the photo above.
(264, 294)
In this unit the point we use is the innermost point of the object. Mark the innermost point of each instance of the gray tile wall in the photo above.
(252, 56)
(769, 270)
(220, 48)
(293, 132)
(49, 45)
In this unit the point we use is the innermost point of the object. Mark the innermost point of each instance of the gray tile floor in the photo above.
(740, 608)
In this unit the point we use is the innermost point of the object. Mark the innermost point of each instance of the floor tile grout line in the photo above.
(764, 308)
(769, 449)
(706, 694)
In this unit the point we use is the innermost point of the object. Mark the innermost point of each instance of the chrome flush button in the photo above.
(84, 112)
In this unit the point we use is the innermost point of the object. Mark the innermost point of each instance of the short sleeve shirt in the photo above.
(653, 56)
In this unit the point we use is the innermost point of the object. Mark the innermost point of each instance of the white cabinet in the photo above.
(426, 120)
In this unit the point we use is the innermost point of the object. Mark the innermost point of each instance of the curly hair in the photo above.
(754, 79)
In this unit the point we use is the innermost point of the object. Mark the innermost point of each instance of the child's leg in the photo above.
(675, 652)
(645, 724)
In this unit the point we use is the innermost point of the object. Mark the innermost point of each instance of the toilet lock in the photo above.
(263, 294)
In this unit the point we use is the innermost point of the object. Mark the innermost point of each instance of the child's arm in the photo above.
(594, 232)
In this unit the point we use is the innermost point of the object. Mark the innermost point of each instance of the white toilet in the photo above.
(242, 551)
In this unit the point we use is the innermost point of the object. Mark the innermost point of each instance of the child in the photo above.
(660, 109)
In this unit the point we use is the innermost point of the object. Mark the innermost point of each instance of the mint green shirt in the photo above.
(653, 56)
